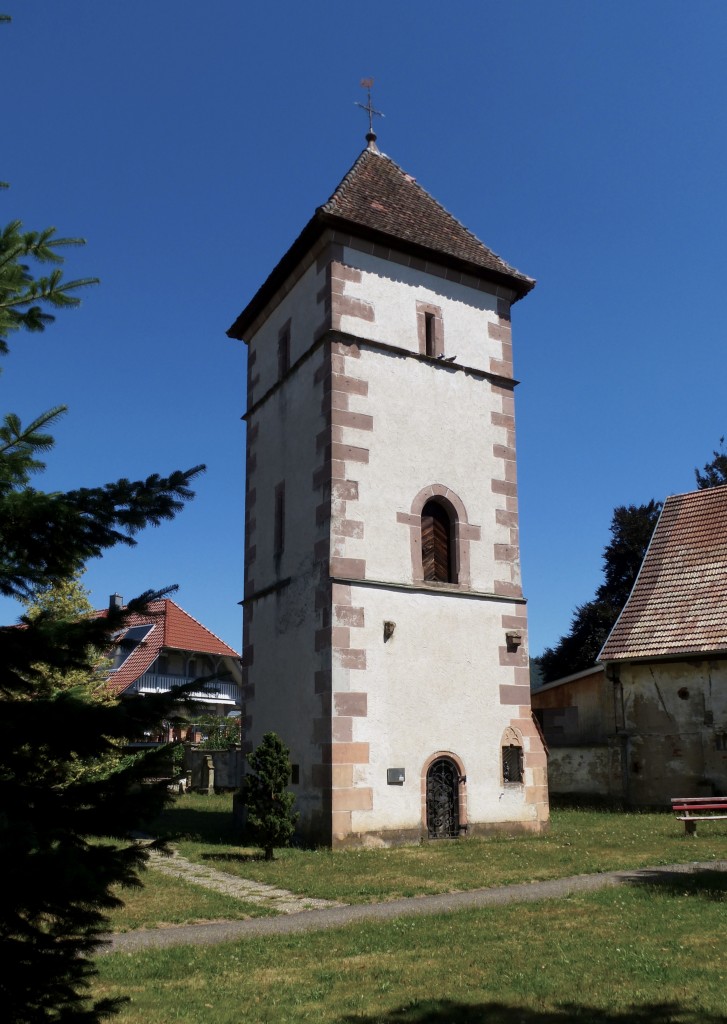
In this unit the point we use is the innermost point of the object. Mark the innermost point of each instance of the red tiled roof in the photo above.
(173, 628)
(380, 202)
(679, 602)
(187, 634)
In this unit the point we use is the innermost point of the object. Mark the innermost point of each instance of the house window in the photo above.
(512, 763)
(437, 560)
(163, 665)
(284, 350)
(279, 520)
(295, 774)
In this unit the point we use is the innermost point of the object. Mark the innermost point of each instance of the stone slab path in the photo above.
(334, 916)
(279, 900)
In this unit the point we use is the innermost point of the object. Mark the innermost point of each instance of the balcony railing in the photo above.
(216, 691)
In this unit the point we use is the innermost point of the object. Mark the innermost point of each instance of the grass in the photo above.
(579, 842)
(164, 901)
(632, 955)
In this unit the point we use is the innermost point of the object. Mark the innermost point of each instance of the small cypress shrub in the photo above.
(270, 819)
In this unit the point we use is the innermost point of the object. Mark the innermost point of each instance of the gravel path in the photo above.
(333, 916)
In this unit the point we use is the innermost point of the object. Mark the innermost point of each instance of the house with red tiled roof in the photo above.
(661, 684)
(166, 647)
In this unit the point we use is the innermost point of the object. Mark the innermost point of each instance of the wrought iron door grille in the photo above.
(443, 800)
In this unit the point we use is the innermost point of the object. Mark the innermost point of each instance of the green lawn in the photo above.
(633, 955)
(647, 955)
(165, 901)
(578, 842)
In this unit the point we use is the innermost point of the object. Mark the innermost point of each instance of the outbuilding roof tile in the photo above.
(678, 605)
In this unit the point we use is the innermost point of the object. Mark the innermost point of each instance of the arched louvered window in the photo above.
(437, 547)
(512, 763)
(513, 767)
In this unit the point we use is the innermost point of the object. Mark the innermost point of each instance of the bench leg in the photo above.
(690, 828)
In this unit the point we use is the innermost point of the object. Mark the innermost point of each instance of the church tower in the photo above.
(385, 631)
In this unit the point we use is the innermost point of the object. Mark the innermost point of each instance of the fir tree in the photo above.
(270, 819)
(24, 298)
(59, 876)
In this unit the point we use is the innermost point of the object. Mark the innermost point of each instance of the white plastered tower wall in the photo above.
(350, 656)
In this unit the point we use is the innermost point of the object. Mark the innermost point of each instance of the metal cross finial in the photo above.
(366, 83)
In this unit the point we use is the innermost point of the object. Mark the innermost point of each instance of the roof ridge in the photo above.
(697, 490)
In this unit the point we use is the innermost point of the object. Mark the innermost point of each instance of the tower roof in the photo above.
(380, 202)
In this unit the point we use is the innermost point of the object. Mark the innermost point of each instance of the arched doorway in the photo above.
(443, 799)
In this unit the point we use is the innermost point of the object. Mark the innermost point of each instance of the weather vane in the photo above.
(366, 83)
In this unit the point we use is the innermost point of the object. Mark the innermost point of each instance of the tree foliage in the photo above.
(631, 530)
(269, 816)
(714, 473)
(63, 825)
(219, 733)
(68, 601)
(24, 298)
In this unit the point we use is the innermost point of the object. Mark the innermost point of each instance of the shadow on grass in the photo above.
(710, 883)
(586, 802)
(205, 826)
(448, 1012)
(234, 858)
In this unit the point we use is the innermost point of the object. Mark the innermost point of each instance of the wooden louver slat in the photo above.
(436, 544)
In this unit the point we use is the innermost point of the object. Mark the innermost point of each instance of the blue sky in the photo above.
(584, 142)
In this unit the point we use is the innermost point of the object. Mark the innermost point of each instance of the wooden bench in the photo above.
(691, 809)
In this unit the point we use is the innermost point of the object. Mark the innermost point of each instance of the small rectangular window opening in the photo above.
(512, 764)
(429, 342)
(279, 520)
(283, 352)
(295, 774)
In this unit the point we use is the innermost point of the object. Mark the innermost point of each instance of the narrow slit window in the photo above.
(429, 335)
(283, 352)
(430, 330)
(279, 520)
